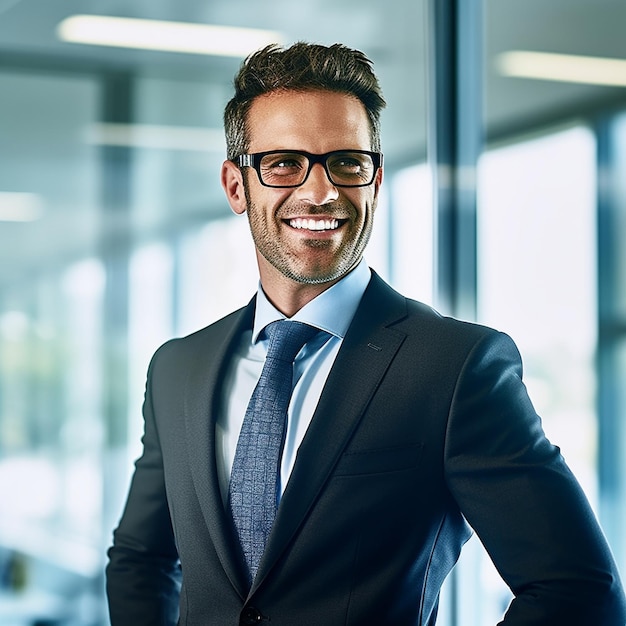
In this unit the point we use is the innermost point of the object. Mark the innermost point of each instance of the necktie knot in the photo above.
(286, 339)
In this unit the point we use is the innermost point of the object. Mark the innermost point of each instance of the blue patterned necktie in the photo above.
(254, 481)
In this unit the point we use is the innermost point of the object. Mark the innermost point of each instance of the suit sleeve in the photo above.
(143, 573)
(517, 493)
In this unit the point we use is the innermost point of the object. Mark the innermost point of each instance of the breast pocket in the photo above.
(379, 460)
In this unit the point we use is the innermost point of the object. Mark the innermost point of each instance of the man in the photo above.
(403, 426)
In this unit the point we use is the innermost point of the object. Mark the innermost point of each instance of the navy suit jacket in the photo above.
(424, 429)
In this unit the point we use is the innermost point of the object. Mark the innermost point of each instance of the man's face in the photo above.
(317, 232)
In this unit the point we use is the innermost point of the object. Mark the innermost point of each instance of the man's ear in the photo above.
(232, 182)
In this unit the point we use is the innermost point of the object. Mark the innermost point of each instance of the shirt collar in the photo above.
(331, 311)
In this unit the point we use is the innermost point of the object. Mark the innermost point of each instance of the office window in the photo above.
(612, 349)
(114, 236)
(537, 278)
(537, 282)
(411, 225)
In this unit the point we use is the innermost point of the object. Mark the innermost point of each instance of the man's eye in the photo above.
(285, 163)
(281, 165)
(348, 164)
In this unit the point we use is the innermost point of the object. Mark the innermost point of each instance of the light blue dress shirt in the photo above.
(331, 311)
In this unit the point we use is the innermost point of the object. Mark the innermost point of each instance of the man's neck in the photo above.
(289, 296)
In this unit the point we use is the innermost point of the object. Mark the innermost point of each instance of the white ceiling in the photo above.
(41, 152)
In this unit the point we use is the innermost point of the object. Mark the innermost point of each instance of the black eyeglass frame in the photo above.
(253, 160)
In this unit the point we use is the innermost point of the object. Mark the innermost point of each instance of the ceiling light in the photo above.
(184, 37)
(20, 207)
(563, 67)
(157, 137)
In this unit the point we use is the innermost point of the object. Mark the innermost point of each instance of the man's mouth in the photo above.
(314, 224)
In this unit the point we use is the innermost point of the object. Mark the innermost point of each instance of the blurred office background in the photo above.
(504, 202)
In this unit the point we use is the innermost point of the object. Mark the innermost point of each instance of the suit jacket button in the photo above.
(250, 616)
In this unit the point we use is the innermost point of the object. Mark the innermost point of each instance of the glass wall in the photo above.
(550, 240)
(51, 339)
(537, 278)
(115, 236)
(612, 330)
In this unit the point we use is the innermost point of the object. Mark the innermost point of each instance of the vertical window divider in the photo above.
(611, 432)
(454, 146)
(455, 135)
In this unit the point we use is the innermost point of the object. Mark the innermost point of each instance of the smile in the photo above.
(312, 224)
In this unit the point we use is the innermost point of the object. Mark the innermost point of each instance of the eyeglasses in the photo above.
(291, 168)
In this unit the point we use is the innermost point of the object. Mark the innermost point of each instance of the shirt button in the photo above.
(250, 616)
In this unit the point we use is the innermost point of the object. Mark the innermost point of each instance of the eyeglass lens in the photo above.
(291, 168)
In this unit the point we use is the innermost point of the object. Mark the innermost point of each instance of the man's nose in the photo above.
(317, 188)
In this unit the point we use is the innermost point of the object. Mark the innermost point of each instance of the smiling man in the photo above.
(321, 455)
(310, 221)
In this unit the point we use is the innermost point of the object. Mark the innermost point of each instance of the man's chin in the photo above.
(317, 276)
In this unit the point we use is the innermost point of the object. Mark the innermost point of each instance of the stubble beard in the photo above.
(289, 263)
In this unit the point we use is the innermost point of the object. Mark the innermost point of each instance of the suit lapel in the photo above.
(367, 350)
(201, 403)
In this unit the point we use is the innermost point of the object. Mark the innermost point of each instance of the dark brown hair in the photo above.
(301, 67)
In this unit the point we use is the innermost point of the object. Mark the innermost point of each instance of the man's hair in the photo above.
(301, 67)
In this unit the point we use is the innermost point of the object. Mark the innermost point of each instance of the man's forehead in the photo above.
(314, 115)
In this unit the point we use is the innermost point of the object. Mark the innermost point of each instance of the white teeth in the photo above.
(311, 224)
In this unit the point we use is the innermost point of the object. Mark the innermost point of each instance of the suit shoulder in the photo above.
(423, 322)
(428, 318)
(207, 338)
(218, 327)
(448, 336)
